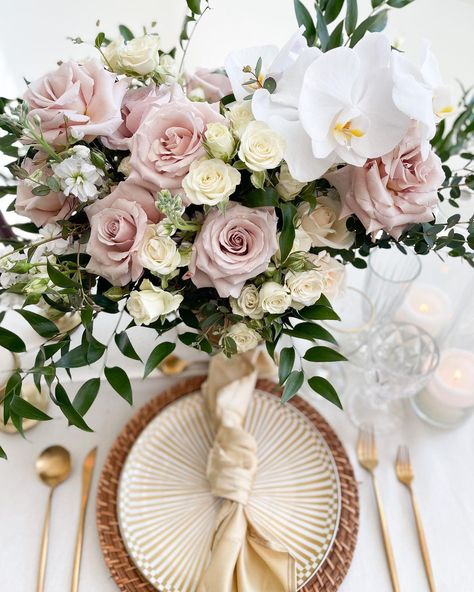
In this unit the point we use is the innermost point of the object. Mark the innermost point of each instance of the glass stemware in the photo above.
(401, 358)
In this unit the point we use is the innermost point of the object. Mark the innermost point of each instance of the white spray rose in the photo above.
(158, 252)
(210, 182)
(274, 298)
(260, 147)
(305, 287)
(220, 141)
(248, 303)
(140, 55)
(244, 337)
(150, 303)
(288, 187)
(324, 224)
(111, 54)
(332, 270)
(240, 115)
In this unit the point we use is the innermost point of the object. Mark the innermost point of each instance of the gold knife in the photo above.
(87, 472)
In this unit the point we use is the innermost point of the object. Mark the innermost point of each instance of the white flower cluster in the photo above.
(77, 175)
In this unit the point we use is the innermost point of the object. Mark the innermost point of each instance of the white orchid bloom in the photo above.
(274, 62)
(346, 104)
(420, 92)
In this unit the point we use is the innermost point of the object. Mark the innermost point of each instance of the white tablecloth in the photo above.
(444, 466)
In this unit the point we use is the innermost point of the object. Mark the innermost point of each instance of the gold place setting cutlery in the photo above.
(367, 455)
(53, 467)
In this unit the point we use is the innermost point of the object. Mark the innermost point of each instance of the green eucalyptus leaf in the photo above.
(376, 3)
(321, 353)
(351, 16)
(321, 29)
(324, 388)
(292, 385)
(25, 409)
(119, 381)
(41, 325)
(160, 352)
(86, 396)
(11, 341)
(336, 39)
(399, 3)
(304, 19)
(40, 190)
(287, 359)
(376, 22)
(126, 33)
(125, 346)
(73, 417)
(332, 10)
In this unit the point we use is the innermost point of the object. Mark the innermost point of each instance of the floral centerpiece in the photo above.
(228, 201)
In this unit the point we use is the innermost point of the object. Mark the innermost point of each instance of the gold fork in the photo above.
(406, 475)
(368, 459)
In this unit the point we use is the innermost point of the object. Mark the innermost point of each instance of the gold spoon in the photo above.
(53, 466)
(173, 365)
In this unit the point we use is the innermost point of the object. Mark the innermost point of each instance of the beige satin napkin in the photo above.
(243, 558)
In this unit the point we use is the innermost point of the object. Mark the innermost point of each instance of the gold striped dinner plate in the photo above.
(167, 512)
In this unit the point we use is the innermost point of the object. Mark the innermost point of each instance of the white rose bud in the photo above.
(305, 287)
(248, 303)
(158, 253)
(111, 54)
(210, 182)
(333, 272)
(288, 187)
(274, 298)
(240, 115)
(150, 303)
(324, 224)
(260, 147)
(220, 141)
(244, 337)
(140, 55)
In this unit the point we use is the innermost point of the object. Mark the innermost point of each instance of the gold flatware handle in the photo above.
(386, 538)
(44, 544)
(422, 541)
(87, 472)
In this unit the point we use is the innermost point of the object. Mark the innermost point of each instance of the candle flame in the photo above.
(457, 374)
(424, 307)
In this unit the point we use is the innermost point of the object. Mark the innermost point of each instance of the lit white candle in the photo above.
(427, 307)
(449, 396)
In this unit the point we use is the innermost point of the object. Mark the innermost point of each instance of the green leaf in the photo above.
(304, 19)
(53, 184)
(12, 389)
(119, 381)
(86, 396)
(376, 22)
(287, 359)
(99, 40)
(82, 355)
(287, 235)
(41, 325)
(399, 3)
(336, 38)
(40, 190)
(59, 279)
(321, 29)
(376, 3)
(260, 198)
(126, 33)
(27, 410)
(189, 318)
(194, 6)
(292, 385)
(160, 352)
(333, 8)
(3, 454)
(270, 84)
(324, 388)
(125, 346)
(351, 16)
(310, 331)
(68, 410)
(321, 353)
(318, 312)
(11, 341)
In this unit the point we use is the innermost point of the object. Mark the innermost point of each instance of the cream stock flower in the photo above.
(240, 115)
(210, 182)
(220, 141)
(274, 298)
(140, 55)
(260, 147)
(158, 252)
(305, 287)
(150, 303)
(248, 303)
(244, 337)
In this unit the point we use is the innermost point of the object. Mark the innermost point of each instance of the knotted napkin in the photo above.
(244, 558)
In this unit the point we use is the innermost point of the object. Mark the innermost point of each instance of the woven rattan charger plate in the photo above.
(127, 577)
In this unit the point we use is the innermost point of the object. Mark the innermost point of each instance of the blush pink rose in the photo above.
(214, 84)
(134, 193)
(85, 96)
(136, 105)
(232, 247)
(41, 209)
(394, 191)
(168, 141)
(118, 225)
